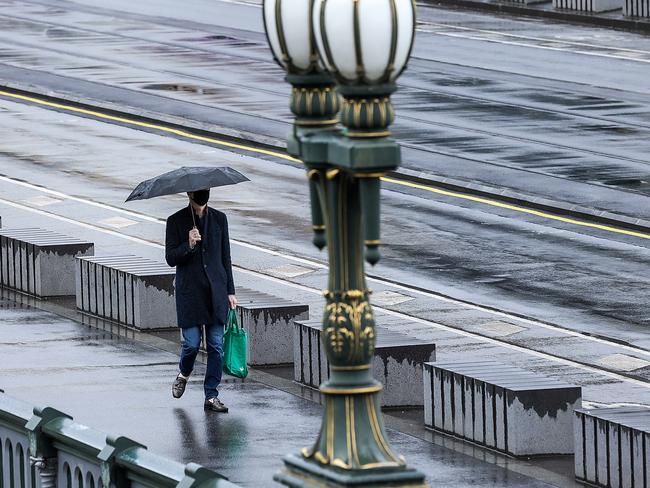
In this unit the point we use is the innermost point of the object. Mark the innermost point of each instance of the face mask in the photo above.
(201, 197)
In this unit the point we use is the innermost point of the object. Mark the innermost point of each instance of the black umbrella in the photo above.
(186, 179)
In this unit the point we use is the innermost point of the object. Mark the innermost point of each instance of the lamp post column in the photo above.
(351, 448)
(363, 45)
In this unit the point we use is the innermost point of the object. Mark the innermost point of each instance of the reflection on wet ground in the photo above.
(123, 387)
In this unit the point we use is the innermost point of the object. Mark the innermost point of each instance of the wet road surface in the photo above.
(546, 109)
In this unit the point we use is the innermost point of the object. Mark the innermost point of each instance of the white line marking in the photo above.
(320, 265)
(80, 224)
(533, 38)
(548, 48)
(472, 335)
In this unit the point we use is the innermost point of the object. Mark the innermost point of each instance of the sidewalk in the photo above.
(122, 386)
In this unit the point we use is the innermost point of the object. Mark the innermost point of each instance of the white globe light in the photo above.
(289, 31)
(364, 41)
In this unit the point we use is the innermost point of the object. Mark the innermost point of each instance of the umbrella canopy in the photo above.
(186, 179)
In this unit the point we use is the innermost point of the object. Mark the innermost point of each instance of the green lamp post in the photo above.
(351, 50)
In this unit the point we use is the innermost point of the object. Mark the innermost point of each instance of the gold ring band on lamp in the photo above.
(360, 367)
(374, 242)
(353, 293)
(383, 133)
(305, 123)
(350, 391)
(318, 227)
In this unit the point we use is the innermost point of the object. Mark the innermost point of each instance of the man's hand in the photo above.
(194, 237)
(232, 300)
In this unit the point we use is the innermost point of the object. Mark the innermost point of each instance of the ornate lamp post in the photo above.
(362, 45)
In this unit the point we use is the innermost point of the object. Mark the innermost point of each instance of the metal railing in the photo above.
(45, 448)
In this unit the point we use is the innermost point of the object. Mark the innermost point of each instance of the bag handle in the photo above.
(231, 321)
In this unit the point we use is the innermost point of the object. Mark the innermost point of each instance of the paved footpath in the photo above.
(122, 386)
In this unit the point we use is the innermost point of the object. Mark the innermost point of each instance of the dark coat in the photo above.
(203, 274)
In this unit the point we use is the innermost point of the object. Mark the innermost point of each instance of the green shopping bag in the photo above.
(234, 348)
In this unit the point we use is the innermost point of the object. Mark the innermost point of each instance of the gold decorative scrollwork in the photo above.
(348, 326)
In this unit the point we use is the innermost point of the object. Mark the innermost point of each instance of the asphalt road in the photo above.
(540, 108)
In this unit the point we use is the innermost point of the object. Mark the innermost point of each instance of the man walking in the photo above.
(197, 243)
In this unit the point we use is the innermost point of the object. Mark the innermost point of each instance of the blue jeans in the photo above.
(214, 346)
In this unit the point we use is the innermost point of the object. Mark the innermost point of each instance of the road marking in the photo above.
(551, 44)
(137, 123)
(403, 316)
(243, 147)
(79, 223)
(517, 208)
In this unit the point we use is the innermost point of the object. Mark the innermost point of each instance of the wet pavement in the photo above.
(541, 108)
(122, 386)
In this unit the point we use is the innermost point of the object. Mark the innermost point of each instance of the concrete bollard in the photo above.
(589, 6)
(268, 320)
(397, 363)
(129, 290)
(500, 406)
(637, 8)
(40, 262)
(612, 447)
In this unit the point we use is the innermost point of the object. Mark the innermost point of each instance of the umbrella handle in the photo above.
(192, 212)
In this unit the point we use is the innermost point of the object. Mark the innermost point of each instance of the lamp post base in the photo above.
(351, 450)
(299, 472)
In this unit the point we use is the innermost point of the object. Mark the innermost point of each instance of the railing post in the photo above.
(196, 474)
(43, 455)
(111, 475)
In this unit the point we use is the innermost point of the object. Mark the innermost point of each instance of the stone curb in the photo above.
(603, 20)
(228, 134)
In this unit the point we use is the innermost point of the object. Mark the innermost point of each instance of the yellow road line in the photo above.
(432, 189)
(516, 208)
(137, 123)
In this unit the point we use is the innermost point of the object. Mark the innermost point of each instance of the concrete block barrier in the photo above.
(591, 6)
(40, 262)
(637, 8)
(129, 290)
(613, 447)
(397, 363)
(268, 320)
(500, 407)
